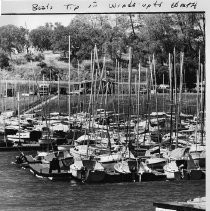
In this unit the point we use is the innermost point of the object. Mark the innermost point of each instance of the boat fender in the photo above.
(140, 177)
(181, 170)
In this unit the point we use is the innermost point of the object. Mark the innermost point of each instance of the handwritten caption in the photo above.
(132, 4)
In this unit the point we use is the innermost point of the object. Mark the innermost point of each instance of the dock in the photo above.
(198, 204)
(23, 147)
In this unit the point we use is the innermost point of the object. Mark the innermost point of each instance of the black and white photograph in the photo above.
(103, 111)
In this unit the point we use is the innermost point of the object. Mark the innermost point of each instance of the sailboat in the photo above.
(87, 170)
(53, 165)
(85, 167)
(198, 149)
(182, 167)
(128, 167)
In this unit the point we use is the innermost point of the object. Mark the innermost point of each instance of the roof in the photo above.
(103, 79)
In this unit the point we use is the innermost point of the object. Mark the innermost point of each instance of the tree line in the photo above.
(147, 34)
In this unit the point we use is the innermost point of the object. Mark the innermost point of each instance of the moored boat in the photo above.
(87, 170)
(44, 171)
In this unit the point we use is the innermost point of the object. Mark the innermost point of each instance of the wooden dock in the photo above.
(23, 147)
(197, 204)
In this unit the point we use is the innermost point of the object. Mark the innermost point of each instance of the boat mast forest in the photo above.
(110, 97)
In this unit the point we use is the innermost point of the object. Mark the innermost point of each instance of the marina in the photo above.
(103, 132)
(19, 188)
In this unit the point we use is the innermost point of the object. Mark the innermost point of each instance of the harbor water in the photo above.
(20, 190)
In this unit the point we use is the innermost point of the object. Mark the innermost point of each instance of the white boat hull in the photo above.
(87, 176)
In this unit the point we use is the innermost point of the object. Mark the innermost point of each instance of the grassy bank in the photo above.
(121, 103)
(114, 102)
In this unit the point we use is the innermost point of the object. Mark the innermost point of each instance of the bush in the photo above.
(20, 61)
(4, 60)
(39, 57)
(9, 68)
(29, 57)
(42, 64)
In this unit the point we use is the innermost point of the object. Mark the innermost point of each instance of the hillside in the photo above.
(20, 68)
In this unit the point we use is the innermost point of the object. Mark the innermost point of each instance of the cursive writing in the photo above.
(181, 5)
(138, 4)
(38, 7)
(94, 4)
(71, 7)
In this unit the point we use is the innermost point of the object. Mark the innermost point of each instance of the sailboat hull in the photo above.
(43, 171)
(88, 176)
(151, 176)
(87, 171)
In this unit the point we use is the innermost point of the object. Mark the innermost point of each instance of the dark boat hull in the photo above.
(43, 171)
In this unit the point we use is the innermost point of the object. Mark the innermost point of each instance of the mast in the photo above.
(130, 77)
(138, 106)
(118, 85)
(6, 89)
(175, 99)
(107, 130)
(171, 97)
(59, 108)
(2, 93)
(201, 105)
(90, 107)
(18, 100)
(78, 79)
(148, 100)
(136, 101)
(156, 101)
(33, 81)
(29, 93)
(3, 106)
(180, 85)
(163, 94)
(69, 82)
(5, 94)
(95, 60)
(197, 102)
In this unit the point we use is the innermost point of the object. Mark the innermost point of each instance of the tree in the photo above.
(182, 31)
(83, 39)
(41, 37)
(13, 38)
(4, 60)
(60, 40)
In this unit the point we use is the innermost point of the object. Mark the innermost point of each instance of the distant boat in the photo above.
(22, 137)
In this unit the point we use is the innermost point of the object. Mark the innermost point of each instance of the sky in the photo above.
(33, 21)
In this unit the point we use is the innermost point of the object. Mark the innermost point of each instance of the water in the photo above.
(20, 190)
